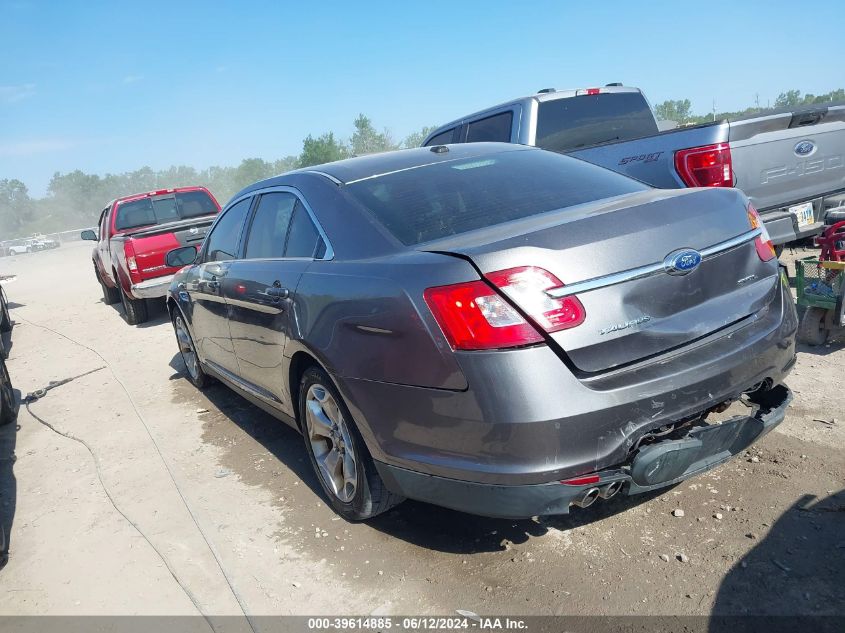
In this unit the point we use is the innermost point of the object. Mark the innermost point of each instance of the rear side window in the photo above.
(303, 237)
(444, 138)
(222, 242)
(568, 124)
(453, 197)
(161, 209)
(270, 226)
(493, 128)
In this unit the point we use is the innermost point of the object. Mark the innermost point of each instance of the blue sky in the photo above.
(113, 86)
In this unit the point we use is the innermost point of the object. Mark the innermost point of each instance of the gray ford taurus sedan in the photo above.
(489, 327)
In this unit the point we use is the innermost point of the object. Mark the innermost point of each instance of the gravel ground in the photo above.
(216, 509)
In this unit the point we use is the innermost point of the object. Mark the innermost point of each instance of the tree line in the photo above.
(74, 199)
(680, 110)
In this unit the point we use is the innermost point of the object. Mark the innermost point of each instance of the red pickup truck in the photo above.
(136, 232)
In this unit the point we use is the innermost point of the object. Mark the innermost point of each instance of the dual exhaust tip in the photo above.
(589, 496)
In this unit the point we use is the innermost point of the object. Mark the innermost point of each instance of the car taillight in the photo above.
(706, 166)
(473, 316)
(763, 243)
(527, 286)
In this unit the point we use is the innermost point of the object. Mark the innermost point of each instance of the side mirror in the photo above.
(88, 234)
(179, 257)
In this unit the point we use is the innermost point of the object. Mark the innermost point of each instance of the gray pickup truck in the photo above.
(790, 163)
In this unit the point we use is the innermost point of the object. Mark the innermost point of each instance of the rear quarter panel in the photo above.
(368, 319)
(651, 159)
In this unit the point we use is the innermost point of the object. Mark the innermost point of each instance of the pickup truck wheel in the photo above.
(337, 451)
(7, 397)
(813, 329)
(189, 352)
(110, 295)
(135, 310)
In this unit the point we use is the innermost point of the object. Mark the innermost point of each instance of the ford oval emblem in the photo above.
(805, 148)
(682, 262)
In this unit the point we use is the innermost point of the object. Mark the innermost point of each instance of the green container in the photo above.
(817, 285)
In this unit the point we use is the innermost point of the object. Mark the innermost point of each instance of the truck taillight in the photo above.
(473, 316)
(706, 166)
(763, 243)
(129, 252)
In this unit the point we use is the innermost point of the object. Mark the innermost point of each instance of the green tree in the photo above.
(415, 139)
(367, 140)
(679, 111)
(16, 208)
(323, 149)
(788, 99)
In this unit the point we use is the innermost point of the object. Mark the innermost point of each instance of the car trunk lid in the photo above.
(625, 240)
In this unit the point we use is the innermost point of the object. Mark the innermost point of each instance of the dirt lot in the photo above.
(764, 533)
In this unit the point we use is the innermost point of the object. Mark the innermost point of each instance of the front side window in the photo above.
(496, 128)
(222, 242)
(269, 228)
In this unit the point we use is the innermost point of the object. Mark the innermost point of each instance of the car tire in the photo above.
(813, 329)
(134, 310)
(354, 488)
(110, 295)
(8, 414)
(5, 317)
(188, 351)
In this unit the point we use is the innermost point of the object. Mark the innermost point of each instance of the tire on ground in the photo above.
(371, 496)
(135, 310)
(813, 329)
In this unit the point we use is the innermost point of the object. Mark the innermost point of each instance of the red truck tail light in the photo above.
(527, 286)
(129, 252)
(763, 243)
(706, 166)
(474, 316)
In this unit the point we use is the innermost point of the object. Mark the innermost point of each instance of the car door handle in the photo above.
(277, 293)
(212, 285)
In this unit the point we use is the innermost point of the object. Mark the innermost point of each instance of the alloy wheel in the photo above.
(186, 347)
(331, 443)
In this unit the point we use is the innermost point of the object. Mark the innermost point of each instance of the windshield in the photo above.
(568, 124)
(453, 197)
(162, 209)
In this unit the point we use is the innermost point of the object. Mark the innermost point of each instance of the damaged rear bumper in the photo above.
(654, 466)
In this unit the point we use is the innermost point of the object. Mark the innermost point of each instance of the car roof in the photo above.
(350, 170)
(157, 192)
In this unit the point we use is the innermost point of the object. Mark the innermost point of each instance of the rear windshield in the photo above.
(568, 124)
(453, 197)
(163, 209)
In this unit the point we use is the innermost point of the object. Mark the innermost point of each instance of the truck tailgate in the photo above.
(152, 244)
(791, 156)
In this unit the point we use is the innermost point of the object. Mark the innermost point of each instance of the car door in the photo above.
(103, 256)
(281, 243)
(209, 310)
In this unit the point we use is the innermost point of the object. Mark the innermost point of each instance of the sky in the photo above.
(108, 87)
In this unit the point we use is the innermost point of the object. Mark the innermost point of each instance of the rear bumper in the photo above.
(655, 466)
(527, 419)
(152, 288)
